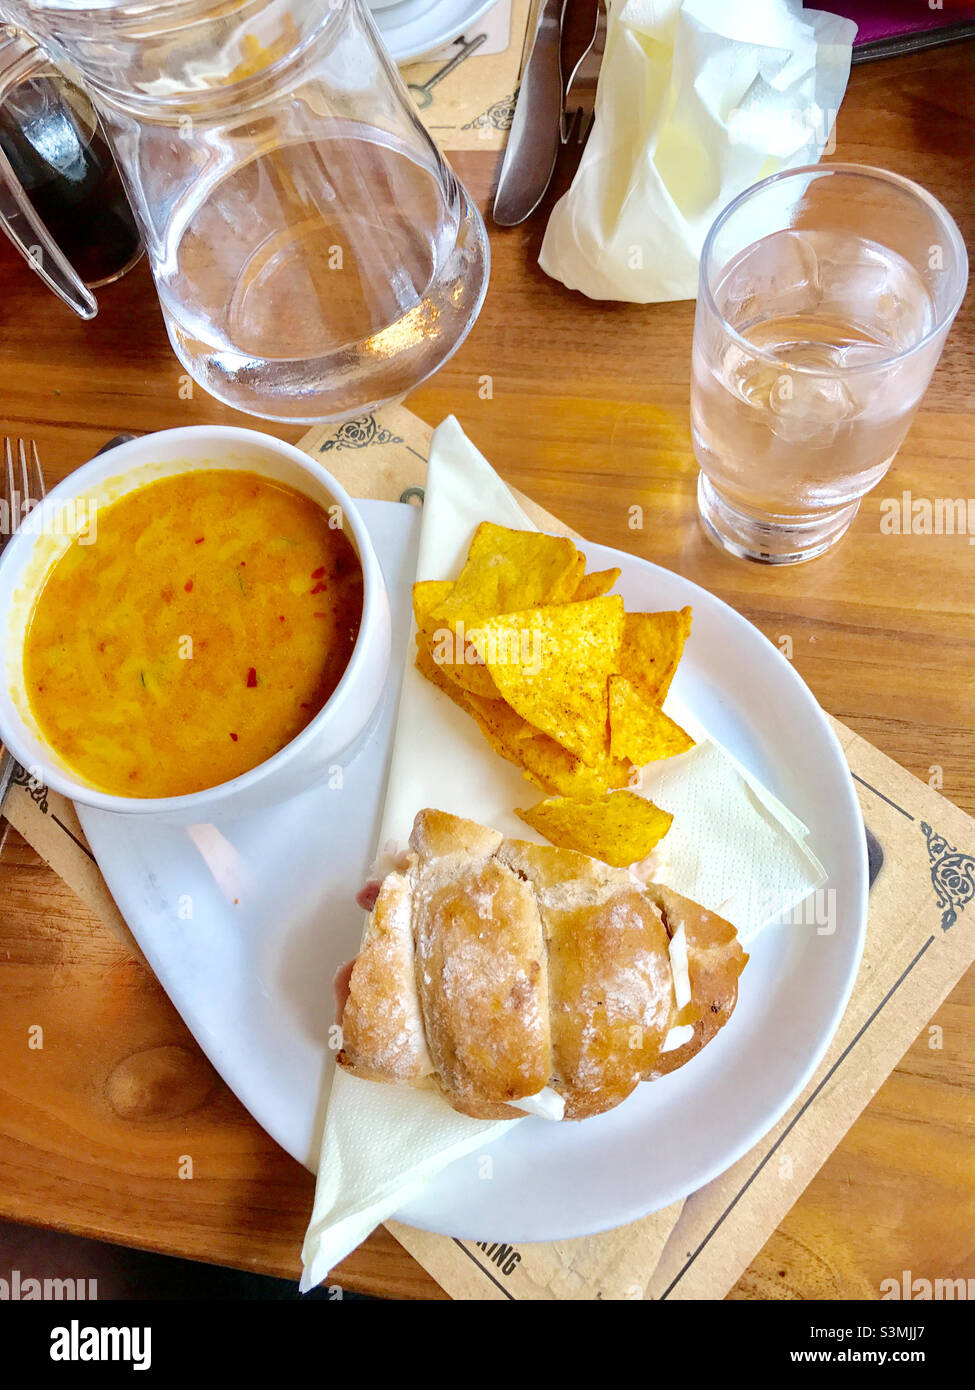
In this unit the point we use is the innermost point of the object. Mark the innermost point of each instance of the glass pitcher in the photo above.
(313, 253)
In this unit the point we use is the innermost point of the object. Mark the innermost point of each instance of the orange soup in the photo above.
(207, 624)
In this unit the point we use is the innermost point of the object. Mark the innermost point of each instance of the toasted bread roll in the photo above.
(498, 969)
(481, 976)
(383, 1036)
(610, 983)
(715, 960)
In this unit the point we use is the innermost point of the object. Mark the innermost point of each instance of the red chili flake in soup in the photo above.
(165, 704)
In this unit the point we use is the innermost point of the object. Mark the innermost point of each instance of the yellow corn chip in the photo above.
(552, 768)
(426, 665)
(497, 721)
(552, 665)
(639, 730)
(620, 828)
(502, 720)
(549, 667)
(652, 647)
(543, 761)
(428, 594)
(497, 733)
(596, 584)
(540, 758)
(447, 641)
(506, 571)
(456, 650)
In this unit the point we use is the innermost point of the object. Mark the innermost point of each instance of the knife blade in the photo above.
(7, 769)
(533, 143)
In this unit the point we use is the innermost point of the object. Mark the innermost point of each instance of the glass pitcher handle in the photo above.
(19, 58)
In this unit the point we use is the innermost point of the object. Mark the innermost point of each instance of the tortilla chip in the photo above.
(506, 571)
(552, 768)
(497, 721)
(446, 640)
(652, 647)
(502, 720)
(596, 584)
(428, 594)
(426, 597)
(552, 665)
(620, 828)
(541, 760)
(456, 651)
(498, 734)
(426, 665)
(639, 730)
(534, 649)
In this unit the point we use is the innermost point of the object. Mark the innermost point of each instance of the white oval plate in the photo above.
(412, 28)
(273, 916)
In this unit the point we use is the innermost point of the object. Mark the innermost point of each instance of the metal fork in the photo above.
(580, 91)
(21, 488)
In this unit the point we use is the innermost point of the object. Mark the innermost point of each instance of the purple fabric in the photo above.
(883, 19)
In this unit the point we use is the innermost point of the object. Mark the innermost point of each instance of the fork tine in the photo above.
(38, 473)
(585, 126)
(21, 482)
(24, 479)
(8, 486)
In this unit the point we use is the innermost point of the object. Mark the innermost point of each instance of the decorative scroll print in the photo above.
(36, 789)
(953, 876)
(498, 116)
(360, 434)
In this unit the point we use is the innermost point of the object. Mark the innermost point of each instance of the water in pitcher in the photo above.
(796, 414)
(313, 264)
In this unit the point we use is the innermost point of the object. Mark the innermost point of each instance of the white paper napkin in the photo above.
(383, 1143)
(697, 100)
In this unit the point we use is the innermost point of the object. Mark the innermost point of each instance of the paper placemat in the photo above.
(465, 93)
(919, 943)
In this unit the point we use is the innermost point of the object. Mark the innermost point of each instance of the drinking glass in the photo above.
(313, 253)
(826, 294)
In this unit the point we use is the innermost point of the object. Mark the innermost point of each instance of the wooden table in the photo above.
(588, 415)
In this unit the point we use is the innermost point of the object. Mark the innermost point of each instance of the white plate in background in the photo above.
(412, 28)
